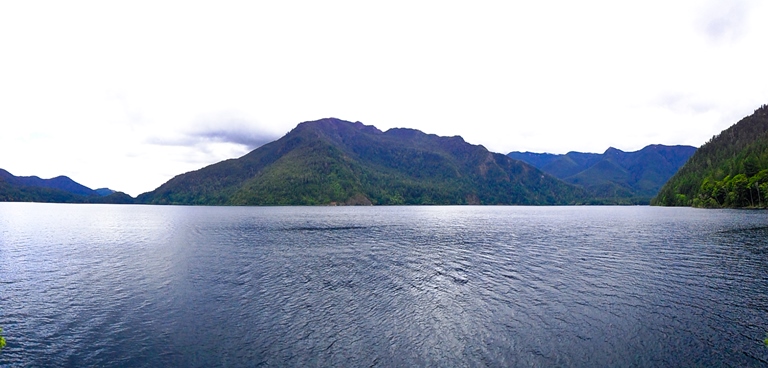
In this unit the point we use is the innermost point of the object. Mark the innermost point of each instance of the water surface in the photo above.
(146, 286)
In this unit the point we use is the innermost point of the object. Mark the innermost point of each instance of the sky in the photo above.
(127, 95)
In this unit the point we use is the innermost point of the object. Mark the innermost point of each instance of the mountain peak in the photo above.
(336, 125)
(335, 161)
(613, 151)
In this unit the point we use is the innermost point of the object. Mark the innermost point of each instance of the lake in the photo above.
(150, 286)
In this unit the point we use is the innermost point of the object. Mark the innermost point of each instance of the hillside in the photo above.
(614, 176)
(332, 161)
(731, 170)
(60, 189)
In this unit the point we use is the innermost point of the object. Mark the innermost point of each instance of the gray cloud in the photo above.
(251, 139)
(220, 128)
(724, 20)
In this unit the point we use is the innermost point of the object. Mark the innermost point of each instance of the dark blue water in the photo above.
(147, 286)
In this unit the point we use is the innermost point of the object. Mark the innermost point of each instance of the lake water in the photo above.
(151, 286)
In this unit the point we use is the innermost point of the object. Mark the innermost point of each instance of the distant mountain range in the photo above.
(731, 170)
(331, 161)
(614, 176)
(336, 162)
(60, 189)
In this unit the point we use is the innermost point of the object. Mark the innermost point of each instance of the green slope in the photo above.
(731, 170)
(605, 179)
(331, 161)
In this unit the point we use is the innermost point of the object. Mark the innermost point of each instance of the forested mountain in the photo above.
(60, 182)
(60, 189)
(731, 170)
(332, 161)
(614, 176)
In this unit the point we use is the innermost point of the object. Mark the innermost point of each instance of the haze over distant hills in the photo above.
(731, 170)
(331, 161)
(614, 176)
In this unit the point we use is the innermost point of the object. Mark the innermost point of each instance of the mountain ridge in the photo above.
(60, 189)
(332, 161)
(615, 176)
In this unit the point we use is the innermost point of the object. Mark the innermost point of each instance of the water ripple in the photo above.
(383, 286)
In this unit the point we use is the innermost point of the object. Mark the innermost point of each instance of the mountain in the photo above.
(104, 191)
(60, 183)
(731, 170)
(614, 176)
(60, 189)
(331, 161)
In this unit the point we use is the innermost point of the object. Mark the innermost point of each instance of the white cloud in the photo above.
(724, 20)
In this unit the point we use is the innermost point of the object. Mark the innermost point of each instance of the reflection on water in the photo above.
(101, 285)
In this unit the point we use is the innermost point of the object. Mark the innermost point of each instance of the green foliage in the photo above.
(731, 170)
(114, 198)
(22, 193)
(331, 161)
(17, 193)
(2, 339)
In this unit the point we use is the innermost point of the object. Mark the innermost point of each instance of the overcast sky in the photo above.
(128, 94)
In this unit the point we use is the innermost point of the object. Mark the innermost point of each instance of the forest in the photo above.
(729, 171)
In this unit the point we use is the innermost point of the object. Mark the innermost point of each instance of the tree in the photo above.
(751, 166)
